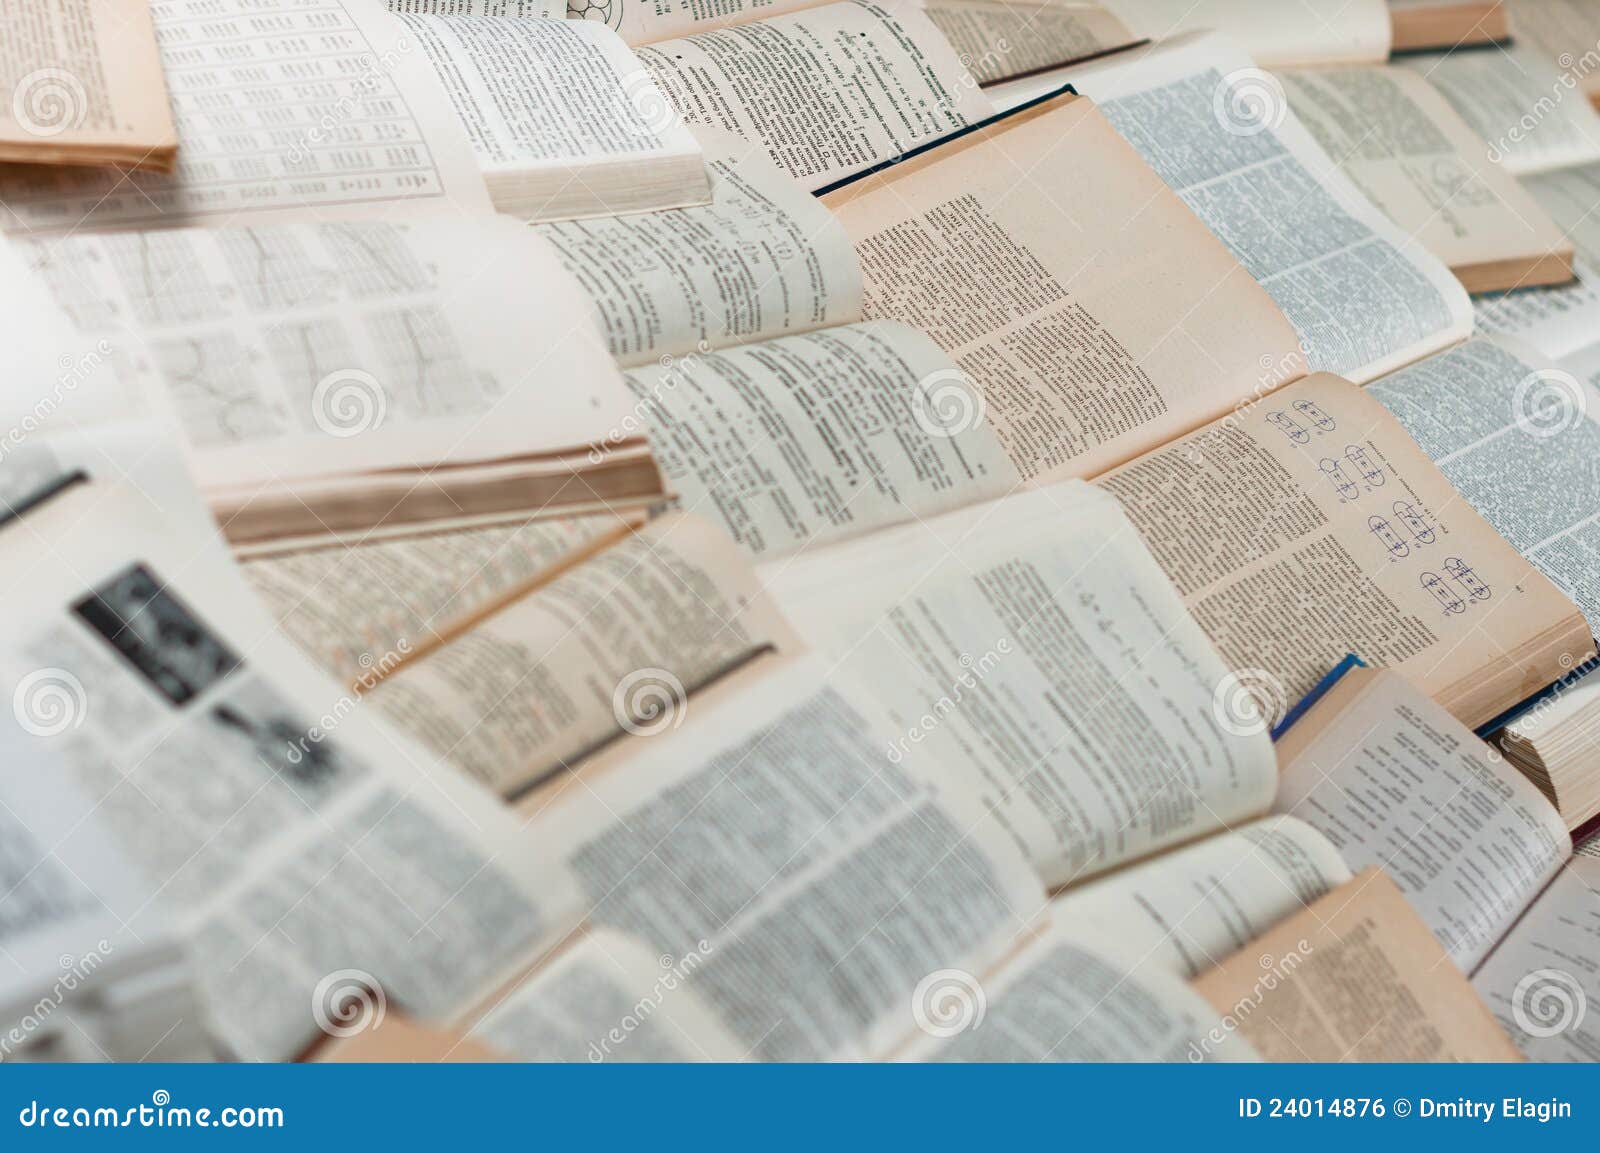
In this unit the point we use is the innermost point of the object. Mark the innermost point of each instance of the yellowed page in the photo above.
(1354, 977)
(360, 611)
(1311, 525)
(84, 85)
(1000, 41)
(616, 645)
(1095, 314)
(1413, 156)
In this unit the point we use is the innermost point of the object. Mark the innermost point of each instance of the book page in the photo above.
(292, 840)
(826, 91)
(1415, 159)
(608, 998)
(1310, 526)
(615, 645)
(86, 85)
(1531, 113)
(1559, 322)
(74, 976)
(761, 260)
(1065, 997)
(1395, 782)
(1278, 35)
(821, 435)
(292, 350)
(378, 139)
(557, 96)
(359, 612)
(1093, 313)
(1191, 908)
(1565, 33)
(1363, 296)
(1033, 644)
(997, 41)
(646, 21)
(1355, 977)
(1519, 437)
(1542, 981)
(825, 882)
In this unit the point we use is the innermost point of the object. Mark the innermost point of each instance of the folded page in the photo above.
(761, 260)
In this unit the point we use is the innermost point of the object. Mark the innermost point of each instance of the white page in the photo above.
(1034, 644)
(1277, 34)
(1531, 116)
(1189, 909)
(298, 349)
(827, 91)
(1364, 297)
(1543, 981)
(820, 435)
(1520, 438)
(1467, 838)
(764, 258)
(317, 107)
(307, 853)
(562, 95)
(825, 881)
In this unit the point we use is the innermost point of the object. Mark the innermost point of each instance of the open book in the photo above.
(1354, 976)
(312, 862)
(84, 86)
(379, 137)
(563, 118)
(333, 378)
(1403, 145)
(1520, 102)
(1490, 410)
(1393, 781)
(766, 883)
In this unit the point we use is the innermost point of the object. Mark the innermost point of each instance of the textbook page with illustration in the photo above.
(250, 145)
(333, 377)
(275, 828)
